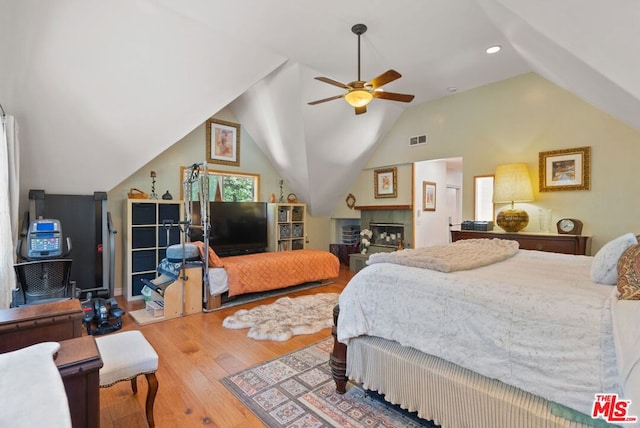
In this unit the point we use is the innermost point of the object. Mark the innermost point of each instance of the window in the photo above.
(231, 187)
(483, 197)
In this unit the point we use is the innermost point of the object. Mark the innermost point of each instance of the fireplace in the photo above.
(387, 235)
(387, 223)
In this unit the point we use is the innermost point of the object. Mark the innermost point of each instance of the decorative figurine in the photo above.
(167, 196)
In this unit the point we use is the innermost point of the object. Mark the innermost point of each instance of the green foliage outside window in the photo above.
(235, 187)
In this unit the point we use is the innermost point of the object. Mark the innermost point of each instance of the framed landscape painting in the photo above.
(567, 169)
(223, 142)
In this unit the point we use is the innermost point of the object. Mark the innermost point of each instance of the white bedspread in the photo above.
(534, 321)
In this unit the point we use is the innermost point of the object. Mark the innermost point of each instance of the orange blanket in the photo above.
(267, 271)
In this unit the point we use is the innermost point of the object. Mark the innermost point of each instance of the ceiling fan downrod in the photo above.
(359, 29)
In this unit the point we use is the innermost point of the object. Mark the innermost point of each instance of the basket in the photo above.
(136, 194)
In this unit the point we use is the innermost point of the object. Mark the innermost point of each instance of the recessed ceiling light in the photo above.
(493, 49)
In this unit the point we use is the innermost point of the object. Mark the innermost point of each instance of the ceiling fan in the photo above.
(360, 93)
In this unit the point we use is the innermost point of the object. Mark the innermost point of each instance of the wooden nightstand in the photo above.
(550, 242)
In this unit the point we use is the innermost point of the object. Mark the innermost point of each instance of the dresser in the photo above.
(550, 242)
(27, 325)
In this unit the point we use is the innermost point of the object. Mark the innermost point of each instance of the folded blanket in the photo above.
(461, 255)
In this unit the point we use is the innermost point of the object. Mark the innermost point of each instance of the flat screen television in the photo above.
(236, 227)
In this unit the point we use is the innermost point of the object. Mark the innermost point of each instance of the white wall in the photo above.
(432, 227)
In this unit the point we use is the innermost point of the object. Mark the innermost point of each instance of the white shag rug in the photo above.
(286, 317)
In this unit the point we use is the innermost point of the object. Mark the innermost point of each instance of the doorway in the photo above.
(432, 222)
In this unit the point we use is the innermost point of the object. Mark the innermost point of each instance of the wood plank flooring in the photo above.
(195, 352)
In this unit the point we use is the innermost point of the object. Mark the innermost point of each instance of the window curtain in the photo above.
(9, 197)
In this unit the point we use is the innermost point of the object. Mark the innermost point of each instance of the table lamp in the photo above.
(512, 184)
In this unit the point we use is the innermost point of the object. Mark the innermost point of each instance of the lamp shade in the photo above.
(512, 184)
(358, 97)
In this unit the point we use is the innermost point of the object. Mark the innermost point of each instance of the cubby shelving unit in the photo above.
(145, 240)
(287, 226)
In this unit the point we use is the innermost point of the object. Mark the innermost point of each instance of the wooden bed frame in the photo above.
(338, 357)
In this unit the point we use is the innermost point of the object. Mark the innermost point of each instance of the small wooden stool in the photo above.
(126, 356)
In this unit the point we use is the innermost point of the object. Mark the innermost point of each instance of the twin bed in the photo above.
(252, 273)
(528, 339)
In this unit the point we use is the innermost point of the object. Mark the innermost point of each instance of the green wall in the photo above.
(512, 121)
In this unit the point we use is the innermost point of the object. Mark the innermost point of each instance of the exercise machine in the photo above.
(88, 225)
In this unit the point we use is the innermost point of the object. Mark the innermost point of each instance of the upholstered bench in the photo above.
(126, 356)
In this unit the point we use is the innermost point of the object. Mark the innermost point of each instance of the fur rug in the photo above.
(286, 317)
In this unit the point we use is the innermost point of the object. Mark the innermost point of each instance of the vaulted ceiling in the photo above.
(114, 83)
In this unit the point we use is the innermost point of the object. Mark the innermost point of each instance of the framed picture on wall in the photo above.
(223, 142)
(385, 183)
(428, 196)
(567, 169)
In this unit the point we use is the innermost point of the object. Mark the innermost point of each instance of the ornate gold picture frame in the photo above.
(385, 183)
(567, 169)
(223, 142)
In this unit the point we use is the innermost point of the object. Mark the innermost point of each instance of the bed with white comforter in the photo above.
(535, 321)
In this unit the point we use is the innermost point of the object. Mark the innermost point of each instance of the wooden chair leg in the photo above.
(152, 382)
(134, 385)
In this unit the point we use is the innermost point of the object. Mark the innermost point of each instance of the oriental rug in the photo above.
(286, 317)
(296, 390)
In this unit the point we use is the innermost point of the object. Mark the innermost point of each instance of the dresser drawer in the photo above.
(550, 245)
(567, 244)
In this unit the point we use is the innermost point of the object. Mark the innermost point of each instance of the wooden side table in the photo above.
(549, 242)
(79, 363)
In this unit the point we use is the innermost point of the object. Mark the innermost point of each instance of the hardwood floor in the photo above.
(195, 352)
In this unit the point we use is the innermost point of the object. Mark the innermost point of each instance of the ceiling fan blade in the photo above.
(360, 110)
(384, 78)
(324, 100)
(405, 98)
(332, 82)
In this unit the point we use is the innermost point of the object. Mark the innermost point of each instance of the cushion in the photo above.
(629, 274)
(214, 260)
(125, 355)
(31, 389)
(604, 267)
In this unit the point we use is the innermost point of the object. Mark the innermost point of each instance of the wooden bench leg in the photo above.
(152, 382)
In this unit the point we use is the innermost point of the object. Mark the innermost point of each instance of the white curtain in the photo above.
(9, 198)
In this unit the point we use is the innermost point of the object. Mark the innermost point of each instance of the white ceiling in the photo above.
(116, 82)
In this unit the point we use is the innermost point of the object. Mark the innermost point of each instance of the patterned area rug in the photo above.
(296, 390)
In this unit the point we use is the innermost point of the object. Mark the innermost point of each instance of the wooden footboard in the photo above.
(338, 359)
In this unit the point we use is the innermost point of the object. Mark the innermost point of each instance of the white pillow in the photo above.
(604, 269)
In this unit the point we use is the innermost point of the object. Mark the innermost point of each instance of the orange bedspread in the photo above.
(267, 271)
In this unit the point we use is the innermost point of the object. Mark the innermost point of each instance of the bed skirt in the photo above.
(442, 392)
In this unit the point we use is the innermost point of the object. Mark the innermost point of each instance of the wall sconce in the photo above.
(512, 184)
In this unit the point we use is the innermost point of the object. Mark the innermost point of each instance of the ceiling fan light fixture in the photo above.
(358, 97)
